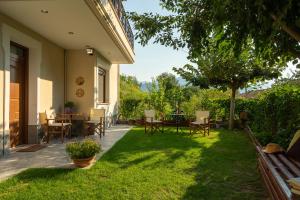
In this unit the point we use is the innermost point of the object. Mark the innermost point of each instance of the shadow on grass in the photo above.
(168, 146)
(225, 168)
(34, 174)
(164, 166)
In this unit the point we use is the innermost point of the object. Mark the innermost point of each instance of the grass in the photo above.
(159, 166)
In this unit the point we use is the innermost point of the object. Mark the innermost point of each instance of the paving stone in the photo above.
(54, 155)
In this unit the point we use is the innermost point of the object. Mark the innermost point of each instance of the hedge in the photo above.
(274, 116)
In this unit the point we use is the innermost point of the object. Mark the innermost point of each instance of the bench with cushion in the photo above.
(276, 169)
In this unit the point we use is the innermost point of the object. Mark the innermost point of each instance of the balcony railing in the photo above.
(118, 6)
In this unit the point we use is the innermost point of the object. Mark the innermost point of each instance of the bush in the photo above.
(69, 104)
(274, 116)
(85, 149)
(130, 108)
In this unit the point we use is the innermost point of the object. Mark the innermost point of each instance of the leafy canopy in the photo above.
(272, 25)
(221, 68)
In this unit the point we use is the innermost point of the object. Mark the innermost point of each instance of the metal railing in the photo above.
(118, 6)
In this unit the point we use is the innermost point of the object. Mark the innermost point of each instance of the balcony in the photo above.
(120, 12)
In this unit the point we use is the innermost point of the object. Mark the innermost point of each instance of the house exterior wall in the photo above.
(81, 64)
(53, 72)
(112, 104)
(46, 77)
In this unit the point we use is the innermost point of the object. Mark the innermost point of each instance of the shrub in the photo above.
(84, 149)
(263, 137)
(130, 107)
(274, 116)
(69, 104)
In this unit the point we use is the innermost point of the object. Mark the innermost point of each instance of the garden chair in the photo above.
(152, 123)
(54, 126)
(202, 123)
(96, 122)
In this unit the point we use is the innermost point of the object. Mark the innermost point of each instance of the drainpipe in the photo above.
(65, 79)
(4, 78)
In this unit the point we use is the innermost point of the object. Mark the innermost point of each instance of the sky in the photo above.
(154, 59)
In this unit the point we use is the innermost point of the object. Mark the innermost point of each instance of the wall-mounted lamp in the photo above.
(89, 51)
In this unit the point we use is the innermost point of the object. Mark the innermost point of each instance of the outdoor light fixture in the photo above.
(44, 11)
(89, 51)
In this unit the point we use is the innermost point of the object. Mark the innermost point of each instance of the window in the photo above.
(101, 85)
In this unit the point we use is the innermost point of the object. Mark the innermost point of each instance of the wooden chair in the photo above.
(150, 121)
(96, 122)
(54, 126)
(202, 123)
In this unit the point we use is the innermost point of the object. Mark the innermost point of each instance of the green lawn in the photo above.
(160, 166)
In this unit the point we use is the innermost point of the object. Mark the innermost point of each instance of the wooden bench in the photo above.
(276, 169)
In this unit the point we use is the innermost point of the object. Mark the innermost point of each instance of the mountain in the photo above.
(144, 85)
(180, 80)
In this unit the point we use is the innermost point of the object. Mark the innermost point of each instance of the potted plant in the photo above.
(83, 153)
(69, 107)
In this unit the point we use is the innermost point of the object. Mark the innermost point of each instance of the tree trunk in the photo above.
(232, 108)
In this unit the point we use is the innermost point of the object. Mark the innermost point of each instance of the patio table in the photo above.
(178, 119)
(77, 121)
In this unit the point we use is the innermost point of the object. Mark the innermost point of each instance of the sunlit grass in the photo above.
(159, 166)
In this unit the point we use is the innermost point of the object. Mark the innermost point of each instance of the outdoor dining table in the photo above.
(178, 119)
(77, 121)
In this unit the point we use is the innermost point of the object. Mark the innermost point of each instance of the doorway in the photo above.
(18, 94)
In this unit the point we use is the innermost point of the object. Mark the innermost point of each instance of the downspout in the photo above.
(65, 79)
(4, 78)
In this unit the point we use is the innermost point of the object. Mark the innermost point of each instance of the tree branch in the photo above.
(289, 30)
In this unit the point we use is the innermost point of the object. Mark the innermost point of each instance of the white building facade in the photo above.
(44, 61)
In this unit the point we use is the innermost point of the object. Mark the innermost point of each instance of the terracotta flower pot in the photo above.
(83, 162)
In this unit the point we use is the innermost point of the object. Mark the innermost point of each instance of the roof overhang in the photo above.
(71, 24)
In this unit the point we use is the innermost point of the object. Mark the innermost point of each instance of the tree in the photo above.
(131, 97)
(221, 68)
(172, 89)
(272, 25)
(157, 98)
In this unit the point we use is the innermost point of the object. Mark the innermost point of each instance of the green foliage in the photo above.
(221, 68)
(274, 115)
(225, 39)
(189, 107)
(131, 98)
(164, 94)
(206, 100)
(131, 108)
(84, 149)
(69, 104)
(273, 26)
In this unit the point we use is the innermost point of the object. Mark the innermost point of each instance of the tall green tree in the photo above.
(131, 97)
(171, 87)
(221, 68)
(272, 25)
(157, 97)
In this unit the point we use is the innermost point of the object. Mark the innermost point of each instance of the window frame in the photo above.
(101, 72)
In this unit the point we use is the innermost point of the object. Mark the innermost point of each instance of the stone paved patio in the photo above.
(54, 155)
